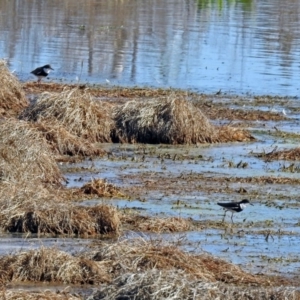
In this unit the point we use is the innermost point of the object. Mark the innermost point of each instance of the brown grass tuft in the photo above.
(12, 96)
(101, 188)
(290, 154)
(51, 265)
(62, 142)
(76, 111)
(25, 155)
(171, 121)
(35, 209)
(231, 134)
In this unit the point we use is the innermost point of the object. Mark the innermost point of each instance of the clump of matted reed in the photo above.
(12, 96)
(31, 295)
(75, 110)
(30, 208)
(62, 142)
(25, 154)
(169, 284)
(155, 224)
(101, 188)
(171, 120)
(231, 134)
(289, 154)
(51, 265)
(138, 255)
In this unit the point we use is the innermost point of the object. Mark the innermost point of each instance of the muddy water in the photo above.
(236, 46)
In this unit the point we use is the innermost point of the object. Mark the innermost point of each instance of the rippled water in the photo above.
(205, 45)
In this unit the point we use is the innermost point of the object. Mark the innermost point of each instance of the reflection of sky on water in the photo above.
(236, 46)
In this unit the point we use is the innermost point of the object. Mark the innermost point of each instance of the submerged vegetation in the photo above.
(63, 124)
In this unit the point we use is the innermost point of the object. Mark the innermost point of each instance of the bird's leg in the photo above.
(231, 217)
(224, 216)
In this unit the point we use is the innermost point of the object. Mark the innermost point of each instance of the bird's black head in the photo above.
(245, 201)
(47, 67)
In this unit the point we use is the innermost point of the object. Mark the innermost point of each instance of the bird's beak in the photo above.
(51, 69)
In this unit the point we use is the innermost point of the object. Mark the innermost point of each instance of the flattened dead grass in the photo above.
(25, 155)
(76, 111)
(108, 92)
(290, 154)
(51, 265)
(156, 285)
(157, 225)
(45, 295)
(12, 96)
(231, 134)
(219, 112)
(101, 188)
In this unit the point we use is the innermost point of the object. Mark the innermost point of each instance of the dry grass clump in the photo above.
(156, 285)
(171, 121)
(25, 155)
(76, 111)
(157, 225)
(139, 255)
(31, 295)
(101, 188)
(62, 142)
(51, 265)
(290, 154)
(35, 209)
(231, 134)
(12, 96)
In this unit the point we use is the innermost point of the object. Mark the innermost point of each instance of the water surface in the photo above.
(205, 45)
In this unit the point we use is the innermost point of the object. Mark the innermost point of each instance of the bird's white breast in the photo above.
(47, 70)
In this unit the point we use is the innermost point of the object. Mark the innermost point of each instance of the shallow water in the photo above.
(236, 46)
(13, 243)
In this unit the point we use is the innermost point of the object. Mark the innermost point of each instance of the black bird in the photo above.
(42, 72)
(234, 207)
